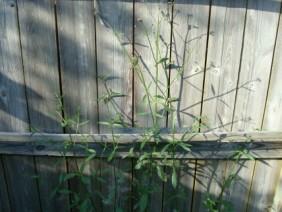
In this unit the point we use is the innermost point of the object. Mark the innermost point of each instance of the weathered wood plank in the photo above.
(189, 38)
(240, 188)
(114, 50)
(272, 121)
(12, 89)
(76, 35)
(39, 50)
(273, 112)
(14, 116)
(88, 188)
(209, 179)
(277, 202)
(264, 146)
(152, 37)
(4, 195)
(265, 182)
(260, 33)
(180, 199)
(22, 188)
(256, 136)
(223, 60)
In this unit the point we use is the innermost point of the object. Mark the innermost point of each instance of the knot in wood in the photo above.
(40, 147)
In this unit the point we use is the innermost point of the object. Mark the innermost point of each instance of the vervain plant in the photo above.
(157, 155)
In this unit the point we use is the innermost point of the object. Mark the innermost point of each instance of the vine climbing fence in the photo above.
(231, 54)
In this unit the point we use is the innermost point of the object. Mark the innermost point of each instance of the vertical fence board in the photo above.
(277, 202)
(14, 117)
(208, 180)
(272, 121)
(39, 50)
(224, 52)
(114, 48)
(76, 35)
(189, 38)
(238, 193)
(147, 15)
(4, 195)
(261, 25)
(260, 33)
(80, 187)
(180, 199)
(265, 180)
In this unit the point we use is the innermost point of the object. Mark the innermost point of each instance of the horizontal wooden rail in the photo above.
(261, 145)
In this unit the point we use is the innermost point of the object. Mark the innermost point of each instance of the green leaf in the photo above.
(54, 192)
(81, 168)
(173, 99)
(174, 179)
(90, 157)
(161, 174)
(250, 157)
(69, 176)
(159, 97)
(185, 147)
(110, 157)
(104, 123)
(162, 60)
(143, 202)
(85, 180)
(65, 191)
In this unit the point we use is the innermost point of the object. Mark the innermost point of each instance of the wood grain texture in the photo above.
(76, 35)
(238, 193)
(22, 191)
(272, 122)
(39, 52)
(265, 181)
(39, 49)
(209, 178)
(84, 188)
(22, 188)
(273, 111)
(223, 61)
(189, 38)
(152, 43)
(13, 105)
(4, 195)
(114, 49)
(260, 33)
(180, 198)
(114, 42)
(277, 202)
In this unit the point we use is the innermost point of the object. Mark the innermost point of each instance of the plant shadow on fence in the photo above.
(63, 48)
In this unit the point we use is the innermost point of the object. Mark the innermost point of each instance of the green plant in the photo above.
(157, 154)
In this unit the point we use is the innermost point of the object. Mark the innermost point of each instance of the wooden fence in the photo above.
(232, 79)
